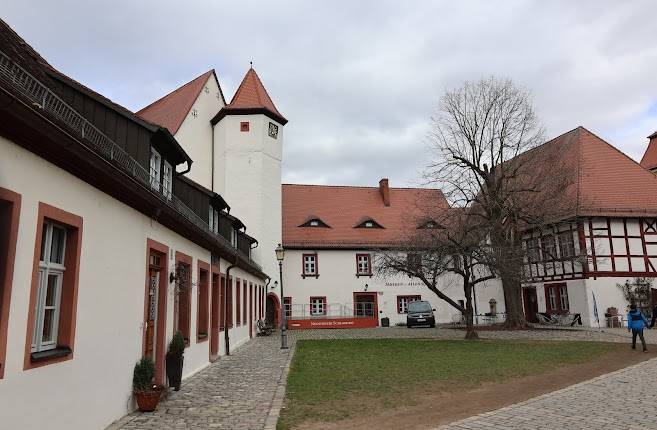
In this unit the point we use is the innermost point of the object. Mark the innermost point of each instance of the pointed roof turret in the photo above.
(170, 111)
(251, 97)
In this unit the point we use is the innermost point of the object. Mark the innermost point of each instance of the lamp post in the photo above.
(280, 254)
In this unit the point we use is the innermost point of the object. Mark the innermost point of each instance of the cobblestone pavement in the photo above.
(235, 392)
(625, 399)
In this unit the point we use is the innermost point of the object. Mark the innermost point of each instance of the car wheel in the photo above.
(432, 325)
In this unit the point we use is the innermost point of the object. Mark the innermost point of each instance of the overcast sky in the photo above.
(358, 81)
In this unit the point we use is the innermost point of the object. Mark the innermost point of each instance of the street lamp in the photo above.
(280, 254)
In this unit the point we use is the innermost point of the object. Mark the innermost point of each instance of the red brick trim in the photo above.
(69, 294)
(9, 219)
(163, 250)
(245, 303)
(203, 302)
(238, 304)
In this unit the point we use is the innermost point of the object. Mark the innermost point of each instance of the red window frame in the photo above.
(409, 298)
(182, 316)
(323, 300)
(10, 211)
(238, 310)
(245, 309)
(369, 265)
(287, 306)
(558, 293)
(305, 274)
(69, 292)
(202, 302)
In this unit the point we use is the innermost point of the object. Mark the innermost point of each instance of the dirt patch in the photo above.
(446, 404)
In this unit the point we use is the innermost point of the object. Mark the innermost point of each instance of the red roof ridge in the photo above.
(358, 186)
(171, 109)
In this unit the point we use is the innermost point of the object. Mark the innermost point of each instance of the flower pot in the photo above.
(147, 400)
(174, 370)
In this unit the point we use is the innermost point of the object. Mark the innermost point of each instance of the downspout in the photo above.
(212, 154)
(226, 337)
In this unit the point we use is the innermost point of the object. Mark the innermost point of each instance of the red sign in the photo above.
(331, 323)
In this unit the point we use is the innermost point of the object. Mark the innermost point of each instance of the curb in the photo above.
(279, 395)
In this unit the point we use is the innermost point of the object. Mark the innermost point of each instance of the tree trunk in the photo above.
(470, 332)
(515, 315)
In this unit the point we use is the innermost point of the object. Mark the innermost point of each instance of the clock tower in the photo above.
(248, 149)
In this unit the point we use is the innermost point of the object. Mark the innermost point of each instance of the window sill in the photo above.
(304, 276)
(201, 337)
(358, 275)
(51, 354)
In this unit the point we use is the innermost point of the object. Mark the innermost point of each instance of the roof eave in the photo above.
(227, 110)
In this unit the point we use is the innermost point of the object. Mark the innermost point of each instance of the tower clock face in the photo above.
(273, 130)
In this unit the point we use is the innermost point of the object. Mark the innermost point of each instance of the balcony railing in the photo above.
(30, 87)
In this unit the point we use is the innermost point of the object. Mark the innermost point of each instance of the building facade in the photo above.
(332, 235)
(106, 249)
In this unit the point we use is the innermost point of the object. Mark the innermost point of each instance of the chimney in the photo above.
(385, 191)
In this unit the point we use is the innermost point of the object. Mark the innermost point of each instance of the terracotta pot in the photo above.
(147, 400)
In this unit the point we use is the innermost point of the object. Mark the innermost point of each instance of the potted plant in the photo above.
(146, 393)
(175, 360)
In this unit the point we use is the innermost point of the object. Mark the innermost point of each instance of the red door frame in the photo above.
(557, 287)
(158, 248)
(374, 296)
(250, 309)
(277, 309)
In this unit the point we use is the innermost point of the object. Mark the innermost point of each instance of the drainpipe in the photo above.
(226, 337)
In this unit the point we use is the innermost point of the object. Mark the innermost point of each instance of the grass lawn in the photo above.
(331, 380)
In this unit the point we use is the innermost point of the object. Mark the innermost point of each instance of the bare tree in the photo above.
(443, 246)
(484, 137)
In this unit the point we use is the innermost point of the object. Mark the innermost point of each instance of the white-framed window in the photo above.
(51, 275)
(403, 301)
(563, 297)
(548, 248)
(233, 237)
(213, 220)
(566, 244)
(156, 164)
(167, 180)
(317, 306)
(533, 250)
(310, 264)
(363, 264)
(552, 298)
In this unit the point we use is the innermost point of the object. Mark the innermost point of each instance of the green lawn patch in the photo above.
(327, 377)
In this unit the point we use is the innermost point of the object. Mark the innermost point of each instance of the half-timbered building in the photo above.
(607, 235)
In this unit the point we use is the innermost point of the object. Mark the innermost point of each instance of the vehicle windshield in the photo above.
(419, 307)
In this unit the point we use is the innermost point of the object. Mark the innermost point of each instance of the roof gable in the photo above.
(171, 110)
(649, 159)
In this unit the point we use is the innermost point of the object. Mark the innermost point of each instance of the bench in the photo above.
(264, 329)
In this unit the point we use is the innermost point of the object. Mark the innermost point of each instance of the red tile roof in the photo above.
(602, 180)
(251, 96)
(170, 111)
(343, 207)
(649, 159)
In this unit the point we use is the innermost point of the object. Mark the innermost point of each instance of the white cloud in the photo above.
(359, 80)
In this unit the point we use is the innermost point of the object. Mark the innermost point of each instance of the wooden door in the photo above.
(250, 309)
(365, 305)
(214, 316)
(151, 321)
(530, 303)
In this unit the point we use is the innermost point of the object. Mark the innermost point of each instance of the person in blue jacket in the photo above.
(636, 322)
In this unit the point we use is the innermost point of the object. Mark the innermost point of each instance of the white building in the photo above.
(331, 235)
(105, 249)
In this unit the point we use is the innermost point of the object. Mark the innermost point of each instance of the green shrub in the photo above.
(177, 344)
(142, 378)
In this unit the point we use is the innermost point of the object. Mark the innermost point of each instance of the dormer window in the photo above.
(315, 222)
(155, 166)
(233, 237)
(368, 223)
(430, 224)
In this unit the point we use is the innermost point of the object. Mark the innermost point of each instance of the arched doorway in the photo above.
(273, 310)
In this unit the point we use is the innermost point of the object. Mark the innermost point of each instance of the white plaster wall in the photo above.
(250, 181)
(337, 281)
(94, 388)
(195, 133)
(607, 294)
